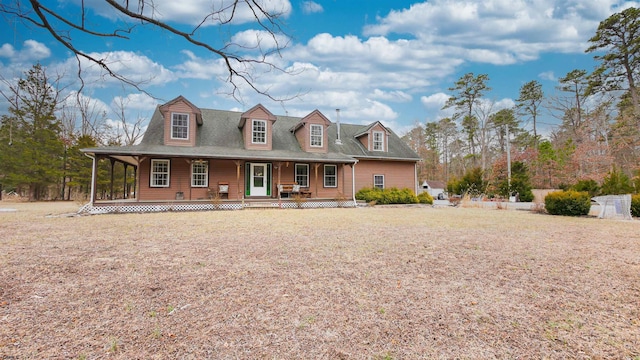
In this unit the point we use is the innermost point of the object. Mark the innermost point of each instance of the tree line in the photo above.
(598, 114)
(43, 132)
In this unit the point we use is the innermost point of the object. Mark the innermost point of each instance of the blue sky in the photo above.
(376, 60)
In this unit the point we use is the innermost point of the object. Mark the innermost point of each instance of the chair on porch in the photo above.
(223, 190)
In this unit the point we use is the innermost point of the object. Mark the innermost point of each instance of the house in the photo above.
(194, 158)
(437, 189)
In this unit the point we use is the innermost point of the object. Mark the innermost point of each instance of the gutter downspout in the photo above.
(353, 183)
(415, 183)
(93, 178)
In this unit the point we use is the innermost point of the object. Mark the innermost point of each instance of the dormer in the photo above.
(257, 128)
(181, 119)
(375, 137)
(311, 132)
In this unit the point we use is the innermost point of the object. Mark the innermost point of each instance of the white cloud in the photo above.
(136, 101)
(497, 31)
(196, 12)
(310, 7)
(548, 75)
(395, 95)
(435, 100)
(260, 40)
(7, 51)
(137, 68)
(31, 51)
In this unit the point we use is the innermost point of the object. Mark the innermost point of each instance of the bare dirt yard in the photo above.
(366, 283)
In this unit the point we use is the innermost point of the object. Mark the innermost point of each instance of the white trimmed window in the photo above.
(200, 174)
(302, 175)
(160, 173)
(330, 176)
(259, 132)
(315, 132)
(378, 141)
(180, 126)
(378, 181)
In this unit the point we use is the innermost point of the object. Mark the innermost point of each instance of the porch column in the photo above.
(135, 183)
(316, 166)
(125, 192)
(344, 169)
(113, 162)
(238, 164)
(94, 180)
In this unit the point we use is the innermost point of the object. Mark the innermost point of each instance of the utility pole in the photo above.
(508, 161)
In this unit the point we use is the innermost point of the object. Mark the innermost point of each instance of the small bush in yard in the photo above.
(387, 196)
(425, 198)
(635, 205)
(568, 203)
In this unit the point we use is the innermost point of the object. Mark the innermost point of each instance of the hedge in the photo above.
(568, 203)
(635, 205)
(388, 196)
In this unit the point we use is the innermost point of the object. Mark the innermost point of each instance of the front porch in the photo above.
(134, 206)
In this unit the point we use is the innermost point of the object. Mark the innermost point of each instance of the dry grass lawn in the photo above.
(368, 283)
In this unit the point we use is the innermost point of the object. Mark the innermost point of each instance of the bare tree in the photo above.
(127, 133)
(66, 28)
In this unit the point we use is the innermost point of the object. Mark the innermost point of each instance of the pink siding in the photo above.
(257, 113)
(180, 180)
(367, 139)
(379, 128)
(364, 140)
(303, 133)
(246, 133)
(180, 107)
(316, 182)
(396, 174)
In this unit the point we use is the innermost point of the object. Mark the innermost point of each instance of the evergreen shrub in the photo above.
(635, 205)
(568, 203)
(387, 196)
(425, 198)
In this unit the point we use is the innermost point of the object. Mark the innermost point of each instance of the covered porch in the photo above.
(192, 184)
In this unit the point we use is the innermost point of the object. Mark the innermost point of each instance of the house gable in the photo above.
(311, 132)
(181, 121)
(257, 128)
(375, 137)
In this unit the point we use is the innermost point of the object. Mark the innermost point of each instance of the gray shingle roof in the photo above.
(220, 137)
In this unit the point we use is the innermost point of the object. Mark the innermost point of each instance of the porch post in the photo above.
(344, 169)
(316, 166)
(94, 171)
(135, 183)
(125, 192)
(113, 162)
(238, 181)
(353, 181)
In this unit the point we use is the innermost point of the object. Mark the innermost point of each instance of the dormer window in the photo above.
(378, 141)
(259, 132)
(315, 135)
(180, 126)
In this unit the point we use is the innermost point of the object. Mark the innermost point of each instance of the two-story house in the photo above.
(189, 156)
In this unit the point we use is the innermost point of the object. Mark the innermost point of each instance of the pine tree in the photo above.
(32, 158)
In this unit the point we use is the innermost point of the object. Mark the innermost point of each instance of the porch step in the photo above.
(261, 205)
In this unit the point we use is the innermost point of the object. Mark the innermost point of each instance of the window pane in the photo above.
(199, 174)
(302, 175)
(378, 142)
(330, 178)
(259, 132)
(180, 126)
(160, 173)
(316, 135)
(378, 181)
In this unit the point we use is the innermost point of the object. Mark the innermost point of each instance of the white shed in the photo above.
(435, 188)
